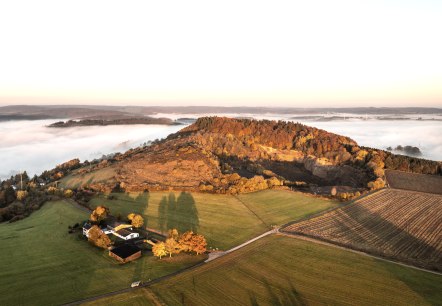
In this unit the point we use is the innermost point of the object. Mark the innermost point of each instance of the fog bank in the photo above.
(31, 146)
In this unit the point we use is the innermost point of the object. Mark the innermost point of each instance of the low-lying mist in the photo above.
(380, 134)
(31, 146)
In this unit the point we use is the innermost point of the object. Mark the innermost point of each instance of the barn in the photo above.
(125, 253)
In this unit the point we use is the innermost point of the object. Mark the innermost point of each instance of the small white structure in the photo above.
(123, 231)
(135, 284)
(125, 234)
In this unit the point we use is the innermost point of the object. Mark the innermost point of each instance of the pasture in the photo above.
(41, 264)
(76, 180)
(224, 220)
(397, 224)
(279, 270)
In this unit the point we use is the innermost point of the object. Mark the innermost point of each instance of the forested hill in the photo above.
(311, 141)
(276, 134)
(225, 155)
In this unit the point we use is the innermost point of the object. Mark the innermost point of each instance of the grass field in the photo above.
(278, 270)
(277, 206)
(399, 224)
(41, 264)
(225, 220)
(74, 181)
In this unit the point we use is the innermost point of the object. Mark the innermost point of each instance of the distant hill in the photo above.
(119, 121)
(34, 112)
(225, 155)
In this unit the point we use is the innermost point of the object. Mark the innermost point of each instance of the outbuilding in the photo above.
(125, 253)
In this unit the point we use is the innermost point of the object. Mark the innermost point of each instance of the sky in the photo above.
(230, 53)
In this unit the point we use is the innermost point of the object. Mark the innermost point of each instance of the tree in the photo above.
(173, 233)
(377, 184)
(172, 246)
(68, 193)
(99, 213)
(21, 195)
(51, 190)
(130, 216)
(199, 244)
(159, 249)
(137, 221)
(185, 241)
(98, 237)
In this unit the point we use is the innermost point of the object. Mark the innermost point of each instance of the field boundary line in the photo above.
(221, 254)
(331, 244)
(256, 215)
(323, 212)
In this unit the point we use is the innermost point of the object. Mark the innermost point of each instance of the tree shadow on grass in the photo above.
(143, 199)
(180, 213)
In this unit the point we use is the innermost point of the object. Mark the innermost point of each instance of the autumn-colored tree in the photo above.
(172, 246)
(21, 195)
(159, 249)
(185, 241)
(68, 193)
(130, 216)
(199, 244)
(51, 190)
(98, 237)
(377, 184)
(137, 221)
(173, 233)
(99, 213)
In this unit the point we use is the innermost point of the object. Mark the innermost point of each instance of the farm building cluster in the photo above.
(125, 251)
(116, 228)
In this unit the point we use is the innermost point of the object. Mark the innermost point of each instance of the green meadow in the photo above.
(279, 270)
(42, 264)
(224, 220)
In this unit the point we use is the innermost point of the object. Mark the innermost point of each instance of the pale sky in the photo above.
(248, 53)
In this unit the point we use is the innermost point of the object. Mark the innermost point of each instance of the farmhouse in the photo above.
(121, 230)
(126, 234)
(125, 253)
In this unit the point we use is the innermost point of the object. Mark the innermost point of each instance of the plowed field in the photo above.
(397, 224)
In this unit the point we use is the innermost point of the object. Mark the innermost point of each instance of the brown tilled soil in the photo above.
(414, 181)
(397, 224)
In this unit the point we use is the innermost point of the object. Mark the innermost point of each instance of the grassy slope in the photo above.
(223, 219)
(75, 181)
(279, 206)
(41, 264)
(279, 270)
